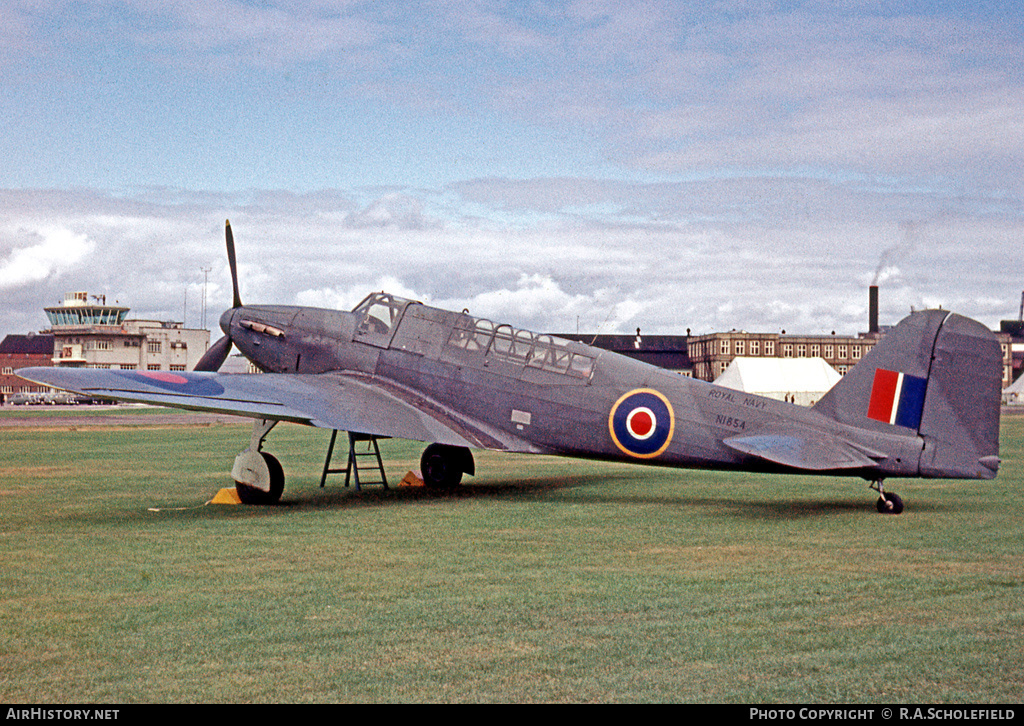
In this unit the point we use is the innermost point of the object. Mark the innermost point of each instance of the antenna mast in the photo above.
(202, 314)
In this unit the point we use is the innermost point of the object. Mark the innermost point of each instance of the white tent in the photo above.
(797, 380)
(1013, 395)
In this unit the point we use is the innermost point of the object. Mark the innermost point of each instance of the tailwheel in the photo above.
(888, 502)
(442, 466)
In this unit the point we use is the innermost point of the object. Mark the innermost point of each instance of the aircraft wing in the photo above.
(345, 402)
(802, 449)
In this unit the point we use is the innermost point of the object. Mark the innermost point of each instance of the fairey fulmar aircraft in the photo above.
(923, 403)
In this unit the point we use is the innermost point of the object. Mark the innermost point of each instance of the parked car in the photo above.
(59, 398)
(25, 399)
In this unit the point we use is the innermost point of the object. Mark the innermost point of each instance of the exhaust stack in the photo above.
(873, 309)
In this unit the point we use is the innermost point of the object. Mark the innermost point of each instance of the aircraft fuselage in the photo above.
(553, 395)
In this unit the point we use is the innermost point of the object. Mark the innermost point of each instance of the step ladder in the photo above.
(353, 466)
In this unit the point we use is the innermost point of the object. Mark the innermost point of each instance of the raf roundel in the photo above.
(641, 423)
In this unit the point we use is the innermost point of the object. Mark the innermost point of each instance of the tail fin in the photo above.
(936, 375)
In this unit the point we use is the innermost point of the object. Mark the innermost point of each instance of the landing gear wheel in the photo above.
(268, 472)
(890, 503)
(442, 466)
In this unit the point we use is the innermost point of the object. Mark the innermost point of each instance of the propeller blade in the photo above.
(236, 301)
(215, 356)
(217, 353)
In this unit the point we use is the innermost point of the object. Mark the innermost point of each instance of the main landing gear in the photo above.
(259, 476)
(442, 465)
(888, 502)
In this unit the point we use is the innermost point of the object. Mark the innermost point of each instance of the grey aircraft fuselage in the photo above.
(557, 396)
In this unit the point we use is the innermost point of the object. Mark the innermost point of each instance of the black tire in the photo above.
(252, 495)
(441, 466)
(894, 505)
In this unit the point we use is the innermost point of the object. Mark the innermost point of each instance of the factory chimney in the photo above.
(873, 309)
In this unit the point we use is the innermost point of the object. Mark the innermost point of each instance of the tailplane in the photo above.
(936, 375)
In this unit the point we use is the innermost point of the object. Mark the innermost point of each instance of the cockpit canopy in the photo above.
(528, 349)
(378, 312)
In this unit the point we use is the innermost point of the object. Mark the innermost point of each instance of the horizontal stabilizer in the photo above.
(806, 450)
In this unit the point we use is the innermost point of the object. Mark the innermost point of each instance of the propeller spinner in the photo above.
(215, 356)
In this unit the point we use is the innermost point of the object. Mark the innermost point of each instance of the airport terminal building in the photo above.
(97, 335)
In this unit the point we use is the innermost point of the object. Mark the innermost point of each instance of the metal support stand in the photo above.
(352, 466)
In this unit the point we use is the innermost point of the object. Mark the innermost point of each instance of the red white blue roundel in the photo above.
(641, 423)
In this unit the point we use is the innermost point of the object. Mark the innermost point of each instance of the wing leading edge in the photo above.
(326, 400)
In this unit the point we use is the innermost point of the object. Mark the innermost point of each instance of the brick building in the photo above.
(22, 351)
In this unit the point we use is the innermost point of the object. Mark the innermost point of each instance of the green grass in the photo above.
(92, 411)
(541, 579)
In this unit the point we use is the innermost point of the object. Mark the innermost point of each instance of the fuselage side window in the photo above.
(541, 346)
(482, 334)
(502, 342)
(471, 334)
(510, 344)
(582, 365)
(462, 333)
(558, 359)
(519, 346)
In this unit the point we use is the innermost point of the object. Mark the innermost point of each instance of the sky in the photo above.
(591, 165)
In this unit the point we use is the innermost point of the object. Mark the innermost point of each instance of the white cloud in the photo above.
(346, 298)
(752, 253)
(50, 251)
(534, 296)
(392, 210)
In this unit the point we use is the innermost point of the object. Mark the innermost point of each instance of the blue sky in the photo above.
(600, 163)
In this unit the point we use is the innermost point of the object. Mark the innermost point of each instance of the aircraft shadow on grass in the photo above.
(341, 499)
(540, 489)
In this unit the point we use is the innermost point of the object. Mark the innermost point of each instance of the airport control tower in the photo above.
(89, 333)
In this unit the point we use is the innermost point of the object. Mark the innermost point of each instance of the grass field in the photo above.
(542, 579)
